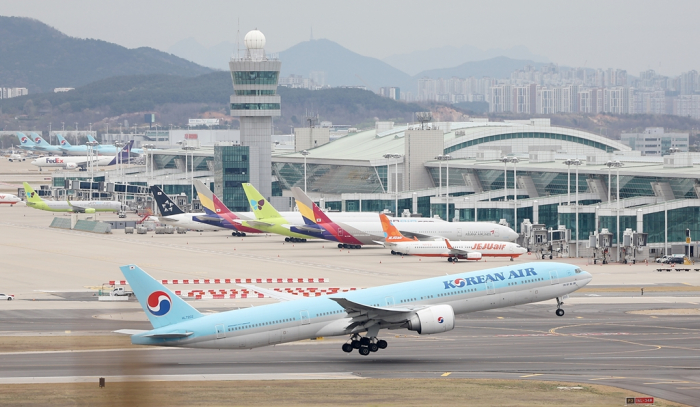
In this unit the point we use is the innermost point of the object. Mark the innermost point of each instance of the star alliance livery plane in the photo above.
(425, 306)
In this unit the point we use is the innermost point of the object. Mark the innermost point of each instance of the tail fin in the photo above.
(261, 208)
(38, 140)
(123, 154)
(166, 206)
(311, 213)
(210, 202)
(24, 140)
(32, 196)
(162, 306)
(62, 141)
(91, 139)
(392, 234)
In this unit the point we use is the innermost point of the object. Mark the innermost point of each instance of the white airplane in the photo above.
(9, 199)
(425, 306)
(172, 215)
(83, 162)
(15, 157)
(453, 251)
(36, 202)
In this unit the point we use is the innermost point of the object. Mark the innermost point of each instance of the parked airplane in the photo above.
(9, 199)
(425, 306)
(41, 145)
(353, 234)
(453, 251)
(15, 157)
(218, 214)
(172, 215)
(83, 162)
(36, 202)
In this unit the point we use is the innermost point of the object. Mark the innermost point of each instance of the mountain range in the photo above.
(41, 58)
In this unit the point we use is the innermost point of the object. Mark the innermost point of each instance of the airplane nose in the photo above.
(586, 276)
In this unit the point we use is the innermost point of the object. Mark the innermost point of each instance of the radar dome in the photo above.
(254, 40)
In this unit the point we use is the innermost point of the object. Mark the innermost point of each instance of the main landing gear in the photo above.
(560, 312)
(396, 253)
(294, 240)
(364, 345)
(452, 259)
(241, 234)
(349, 246)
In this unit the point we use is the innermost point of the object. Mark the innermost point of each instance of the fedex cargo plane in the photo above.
(425, 306)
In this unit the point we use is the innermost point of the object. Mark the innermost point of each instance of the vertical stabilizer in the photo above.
(161, 305)
(62, 141)
(91, 139)
(261, 208)
(32, 196)
(392, 234)
(166, 206)
(24, 141)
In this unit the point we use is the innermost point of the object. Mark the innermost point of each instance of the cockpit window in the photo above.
(577, 271)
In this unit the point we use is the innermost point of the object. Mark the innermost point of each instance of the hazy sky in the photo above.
(633, 35)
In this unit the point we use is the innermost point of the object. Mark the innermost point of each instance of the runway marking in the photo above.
(532, 375)
(687, 388)
(499, 317)
(609, 378)
(671, 382)
(636, 357)
(446, 374)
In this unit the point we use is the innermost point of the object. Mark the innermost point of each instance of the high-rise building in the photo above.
(255, 102)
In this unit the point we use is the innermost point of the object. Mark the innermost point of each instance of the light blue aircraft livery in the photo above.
(425, 306)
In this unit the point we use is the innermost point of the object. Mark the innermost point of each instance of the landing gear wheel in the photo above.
(234, 233)
(392, 252)
(455, 259)
(511, 259)
(364, 351)
(449, 259)
(550, 257)
(340, 246)
(382, 344)
(543, 256)
(560, 312)
(347, 348)
(286, 239)
(373, 347)
(243, 234)
(355, 344)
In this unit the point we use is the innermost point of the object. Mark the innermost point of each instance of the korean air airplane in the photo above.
(41, 145)
(83, 162)
(25, 143)
(425, 306)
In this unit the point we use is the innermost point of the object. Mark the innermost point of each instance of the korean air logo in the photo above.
(24, 140)
(460, 282)
(159, 303)
(257, 205)
(63, 142)
(441, 320)
(37, 140)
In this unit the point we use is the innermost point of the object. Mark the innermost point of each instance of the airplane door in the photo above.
(553, 277)
(220, 332)
(305, 318)
(389, 301)
(490, 287)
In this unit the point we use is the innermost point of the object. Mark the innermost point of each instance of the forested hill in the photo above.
(41, 58)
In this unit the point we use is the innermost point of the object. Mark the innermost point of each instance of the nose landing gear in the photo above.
(559, 312)
(364, 345)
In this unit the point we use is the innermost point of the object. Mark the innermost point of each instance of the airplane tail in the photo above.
(392, 234)
(32, 196)
(38, 140)
(123, 155)
(261, 208)
(91, 139)
(24, 141)
(311, 213)
(165, 205)
(210, 202)
(62, 141)
(162, 306)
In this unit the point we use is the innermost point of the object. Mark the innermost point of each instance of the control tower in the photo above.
(255, 102)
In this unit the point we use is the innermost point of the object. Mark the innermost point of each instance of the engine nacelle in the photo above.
(89, 210)
(71, 166)
(433, 320)
(470, 256)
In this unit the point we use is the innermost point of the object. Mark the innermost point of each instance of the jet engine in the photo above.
(89, 210)
(433, 320)
(71, 166)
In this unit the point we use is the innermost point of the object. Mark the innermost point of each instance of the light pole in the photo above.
(577, 162)
(50, 138)
(609, 164)
(515, 161)
(617, 165)
(568, 164)
(304, 153)
(505, 160)
(120, 167)
(91, 146)
(190, 150)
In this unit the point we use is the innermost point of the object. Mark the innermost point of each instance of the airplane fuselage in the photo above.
(321, 316)
(438, 248)
(77, 206)
(185, 220)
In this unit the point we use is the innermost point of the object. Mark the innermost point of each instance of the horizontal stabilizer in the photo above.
(208, 219)
(130, 331)
(257, 223)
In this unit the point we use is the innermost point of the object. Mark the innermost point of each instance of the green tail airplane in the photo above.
(36, 202)
(267, 217)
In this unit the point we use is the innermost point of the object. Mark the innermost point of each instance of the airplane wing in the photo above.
(271, 293)
(253, 223)
(370, 317)
(420, 236)
(165, 335)
(356, 307)
(304, 228)
(469, 255)
(208, 219)
(130, 331)
(77, 208)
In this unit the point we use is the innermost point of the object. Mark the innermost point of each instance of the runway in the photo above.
(590, 344)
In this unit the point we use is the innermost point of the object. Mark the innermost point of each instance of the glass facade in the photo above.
(254, 92)
(328, 178)
(586, 223)
(231, 170)
(255, 106)
(610, 222)
(255, 77)
(678, 221)
(510, 136)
